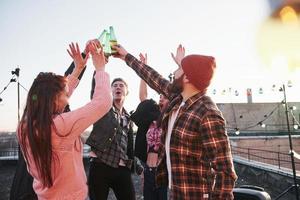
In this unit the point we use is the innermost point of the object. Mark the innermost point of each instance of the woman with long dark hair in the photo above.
(148, 117)
(50, 139)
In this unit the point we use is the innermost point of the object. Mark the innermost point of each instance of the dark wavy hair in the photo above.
(37, 122)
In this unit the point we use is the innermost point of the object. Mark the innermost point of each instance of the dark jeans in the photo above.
(102, 177)
(151, 192)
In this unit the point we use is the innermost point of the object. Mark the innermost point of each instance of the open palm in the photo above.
(179, 55)
(75, 53)
(143, 58)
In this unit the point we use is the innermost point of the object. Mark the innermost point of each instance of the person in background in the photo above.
(195, 160)
(148, 119)
(50, 139)
(111, 157)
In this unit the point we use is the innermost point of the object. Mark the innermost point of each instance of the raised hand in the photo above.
(143, 58)
(75, 53)
(97, 53)
(89, 46)
(179, 55)
(121, 52)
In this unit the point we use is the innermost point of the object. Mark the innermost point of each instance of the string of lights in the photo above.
(260, 90)
(297, 125)
(260, 123)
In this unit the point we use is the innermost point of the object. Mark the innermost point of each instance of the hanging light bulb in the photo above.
(260, 91)
(262, 124)
(273, 87)
(224, 92)
(236, 93)
(289, 83)
(296, 126)
(214, 91)
(237, 131)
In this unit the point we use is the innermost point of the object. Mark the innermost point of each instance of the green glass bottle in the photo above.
(102, 37)
(113, 40)
(106, 46)
(104, 40)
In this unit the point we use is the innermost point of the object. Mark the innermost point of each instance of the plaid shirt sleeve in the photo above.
(216, 144)
(149, 75)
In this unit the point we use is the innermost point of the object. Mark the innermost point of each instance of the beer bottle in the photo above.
(102, 37)
(113, 39)
(106, 46)
(104, 40)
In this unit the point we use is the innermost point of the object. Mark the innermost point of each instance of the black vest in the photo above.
(104, 134)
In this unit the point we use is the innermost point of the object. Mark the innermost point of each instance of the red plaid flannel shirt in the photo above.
(200, 154)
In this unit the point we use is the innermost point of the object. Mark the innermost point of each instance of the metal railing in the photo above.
(275, 158)
(9, 154)
(12, 153)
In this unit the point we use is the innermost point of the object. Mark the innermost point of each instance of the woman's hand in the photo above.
(75, 53)
(99, 60)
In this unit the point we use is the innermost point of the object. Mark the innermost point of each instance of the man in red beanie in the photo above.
(195, 159)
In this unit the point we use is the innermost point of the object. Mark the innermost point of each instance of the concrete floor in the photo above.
(7, 171)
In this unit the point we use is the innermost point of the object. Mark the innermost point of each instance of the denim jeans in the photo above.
(102, 177)
(151, 192)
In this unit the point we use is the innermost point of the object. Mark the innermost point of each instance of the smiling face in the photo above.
(119, 90)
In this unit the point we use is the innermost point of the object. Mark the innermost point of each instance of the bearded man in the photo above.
(195, 159)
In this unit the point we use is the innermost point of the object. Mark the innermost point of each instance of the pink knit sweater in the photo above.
(68, 175)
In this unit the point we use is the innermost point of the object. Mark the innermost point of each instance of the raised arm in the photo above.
(75, 122)
(70, 70)
(88, 47)
(79, 63)
(143, 93)
(78, 59)
(72, 67)
(149, 75)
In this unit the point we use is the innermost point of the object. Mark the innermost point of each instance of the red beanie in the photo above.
(199, 70)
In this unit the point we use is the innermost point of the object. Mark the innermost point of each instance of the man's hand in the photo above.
(143, 58)
(121, 52)
(75, 53)
(179, 55)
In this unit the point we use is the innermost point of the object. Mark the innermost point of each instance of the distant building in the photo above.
(261, 117)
